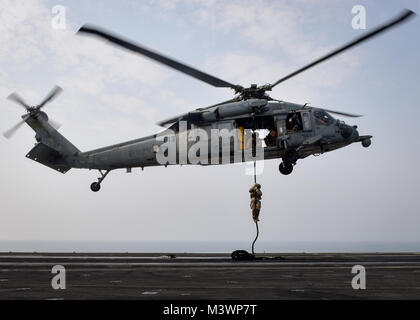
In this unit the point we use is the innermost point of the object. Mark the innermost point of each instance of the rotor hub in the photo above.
(255, 92)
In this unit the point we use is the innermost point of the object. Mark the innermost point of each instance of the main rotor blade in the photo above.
(158, 57)
(376, 31)
(9, 133)
(54, 92)
(16, 98)
(345, 114)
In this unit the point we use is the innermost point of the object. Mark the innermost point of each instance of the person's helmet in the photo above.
(258, 186)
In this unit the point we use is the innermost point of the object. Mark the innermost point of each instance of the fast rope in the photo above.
(256, 237)
(256, 195)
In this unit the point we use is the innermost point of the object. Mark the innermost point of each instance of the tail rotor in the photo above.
(32, 110)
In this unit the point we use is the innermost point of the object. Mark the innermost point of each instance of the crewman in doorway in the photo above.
(270, 139)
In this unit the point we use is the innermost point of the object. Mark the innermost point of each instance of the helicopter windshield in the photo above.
(323, 118)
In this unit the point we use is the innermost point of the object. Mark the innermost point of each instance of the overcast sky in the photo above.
(111, 95)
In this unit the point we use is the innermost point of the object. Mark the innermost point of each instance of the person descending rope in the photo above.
(256, 195)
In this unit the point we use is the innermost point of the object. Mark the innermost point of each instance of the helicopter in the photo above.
(295, 131)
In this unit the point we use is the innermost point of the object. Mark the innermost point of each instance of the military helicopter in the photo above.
(295, 131)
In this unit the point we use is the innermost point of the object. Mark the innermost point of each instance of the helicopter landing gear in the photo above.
(286, 168)
(366, 143)
(289, 160)
(96, 186)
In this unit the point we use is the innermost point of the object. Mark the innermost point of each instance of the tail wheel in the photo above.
(286, 168)
(95, 187)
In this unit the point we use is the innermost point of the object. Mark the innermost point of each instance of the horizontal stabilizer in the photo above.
(48, 157)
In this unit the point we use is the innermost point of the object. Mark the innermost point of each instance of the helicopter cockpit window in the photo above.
(323, 118)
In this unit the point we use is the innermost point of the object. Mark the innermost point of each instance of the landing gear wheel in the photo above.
(95, 187)
(286, 168)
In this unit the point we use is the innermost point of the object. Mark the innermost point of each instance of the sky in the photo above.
(111, 95)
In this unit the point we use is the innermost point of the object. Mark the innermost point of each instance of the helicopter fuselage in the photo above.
(294, 132)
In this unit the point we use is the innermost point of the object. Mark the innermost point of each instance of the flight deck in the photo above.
(209, 276)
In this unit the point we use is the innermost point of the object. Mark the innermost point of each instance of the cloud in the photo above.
(282, 25)
(282, 36)
(81, 62)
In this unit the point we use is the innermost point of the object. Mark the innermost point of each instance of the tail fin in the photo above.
(53, 149)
